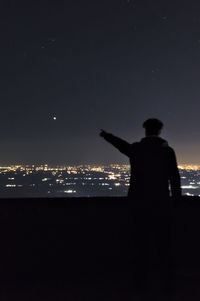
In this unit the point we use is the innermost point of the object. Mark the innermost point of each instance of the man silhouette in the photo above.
(153, 163)
(153, 168)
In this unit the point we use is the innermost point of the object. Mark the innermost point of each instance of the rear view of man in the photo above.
(153, 163)
(153, 170)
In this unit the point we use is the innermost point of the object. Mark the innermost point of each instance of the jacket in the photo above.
(154, 171)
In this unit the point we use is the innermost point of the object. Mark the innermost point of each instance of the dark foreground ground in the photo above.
(79, 249)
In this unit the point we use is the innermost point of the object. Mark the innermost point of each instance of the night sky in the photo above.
(96, 64)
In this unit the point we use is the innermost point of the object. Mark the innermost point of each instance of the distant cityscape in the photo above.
(80, 181)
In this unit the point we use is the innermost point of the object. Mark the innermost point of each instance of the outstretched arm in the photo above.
(123, 146)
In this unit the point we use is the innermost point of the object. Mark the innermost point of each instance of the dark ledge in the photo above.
(81, 242)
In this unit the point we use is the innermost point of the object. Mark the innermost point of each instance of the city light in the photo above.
(82, 180)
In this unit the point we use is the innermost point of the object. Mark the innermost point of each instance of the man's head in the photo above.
(153, 126)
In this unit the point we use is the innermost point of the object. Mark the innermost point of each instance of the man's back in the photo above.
(153, 167)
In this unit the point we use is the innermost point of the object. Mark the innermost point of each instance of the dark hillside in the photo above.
(80, 249)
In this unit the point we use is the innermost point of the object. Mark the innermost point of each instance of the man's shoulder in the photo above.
(157, 145)
(135, 145)
(170, 149)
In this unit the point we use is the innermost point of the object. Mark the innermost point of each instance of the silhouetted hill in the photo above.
(76, 248)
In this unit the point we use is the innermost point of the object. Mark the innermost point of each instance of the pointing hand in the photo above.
(102, 133)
